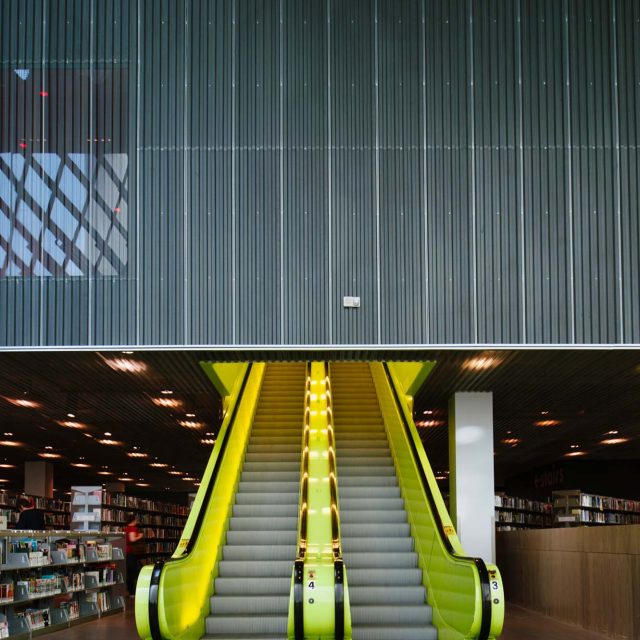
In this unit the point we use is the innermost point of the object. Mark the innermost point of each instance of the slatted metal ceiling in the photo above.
(589, 392)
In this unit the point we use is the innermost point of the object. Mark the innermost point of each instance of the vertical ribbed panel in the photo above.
(627, 58)
(545, 136)
(353, 166)
(495, 162)
(304, 173)
(597, 299)
(400, 169)
(217, 173)
(448, 176)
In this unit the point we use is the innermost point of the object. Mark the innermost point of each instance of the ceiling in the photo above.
(585, 394)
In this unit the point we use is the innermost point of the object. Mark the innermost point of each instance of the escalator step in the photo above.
(255, 569)
(378, 470)
(347, 435)
(274, 456)
(224, 625)
(270, 476)
(373, 632)
(252, 586)
(259, 552)
(370, 516)
(349, 481)
(241, 605)
(380, 560)
(269, 445)
(357, 490)
(265, 510)
(383, 595)
(249, 497)
(383, 577)
(270, 465)
(376, 543)
(388, 615)
(391, 530)
(261, 537)
(347, 504)
(364, 461)
(264, 524)
(381, 450)
(268, 487)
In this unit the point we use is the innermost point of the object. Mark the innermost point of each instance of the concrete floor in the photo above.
(520, 624)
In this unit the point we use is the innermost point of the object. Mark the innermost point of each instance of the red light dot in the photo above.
(117, 209)
(22, 145)
(44, 94)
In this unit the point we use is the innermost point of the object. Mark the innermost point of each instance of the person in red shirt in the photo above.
(132, 538)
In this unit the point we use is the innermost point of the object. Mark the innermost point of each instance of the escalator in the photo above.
(318, 518)
(251, 592)
(388, 600)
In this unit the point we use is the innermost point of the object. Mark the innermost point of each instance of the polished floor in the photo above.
(520, 624)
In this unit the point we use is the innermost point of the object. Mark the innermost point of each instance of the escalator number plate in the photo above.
(494, 585)
(311, 584)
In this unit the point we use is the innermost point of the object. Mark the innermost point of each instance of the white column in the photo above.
(38, 479)
(471, 480)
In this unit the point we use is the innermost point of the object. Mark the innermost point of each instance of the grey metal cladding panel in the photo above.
(19, 313)
(447, 171)
(448, 254)
(209, 203)
(257, 286)
(627, 34)
(402, 247)
(354, 246)
(446, 74)
(545, 165)
(162, 174)
(258, 65)
(258, 252)
(597, 293)
(498, 221)
(304, 174)
(400, 170)
(304, 70)
(305, 251)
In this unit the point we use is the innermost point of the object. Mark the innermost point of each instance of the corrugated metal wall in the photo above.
(223, 173)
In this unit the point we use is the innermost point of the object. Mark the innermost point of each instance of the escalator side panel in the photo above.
(453, 585)
(187, 582)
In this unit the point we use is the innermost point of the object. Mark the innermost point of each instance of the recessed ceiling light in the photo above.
(127, 353)
(107, 433)
(208, 441)
(609, 433)
(80, 465)
(428, 412)
(481, 362)
(72, 424)
(126, 365)
(189, 479)
(172, 403)
(71, 415)
(23, 402)
(547, 423)
(5, 465)
(159, 465)
(105, 473)
(614, 441)
(166, 392)
(430, 423)
(3, 481)
(574, 454)
(109, 442)
(125, 479)
(50, 455)
(190, 415)
(142, 484)
(191, 424)
(8, 434)
(544, 413)
(175, 473)
(441, 477)
(137, 454)
(10, 443)
(511, 441)
(209, 434)
(574, 446)
(49, 447)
